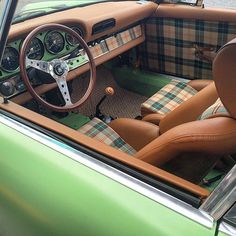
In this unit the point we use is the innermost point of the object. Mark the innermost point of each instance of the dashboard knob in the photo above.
(7, 88)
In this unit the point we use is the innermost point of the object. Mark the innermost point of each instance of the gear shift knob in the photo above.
(109, 91)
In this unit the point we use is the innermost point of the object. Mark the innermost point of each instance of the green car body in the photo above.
(44, 192)
(49, 188)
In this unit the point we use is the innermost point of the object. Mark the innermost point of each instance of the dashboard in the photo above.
(115, 28)
(46, 46)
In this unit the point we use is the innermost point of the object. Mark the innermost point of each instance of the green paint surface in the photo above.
(222, 234)
(73, 120)
(45, 193)
(213, 173)
(138, 81)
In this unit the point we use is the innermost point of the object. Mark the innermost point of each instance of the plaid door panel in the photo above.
(169, 97)
(100, 131)
(217, 109)
(169, 46)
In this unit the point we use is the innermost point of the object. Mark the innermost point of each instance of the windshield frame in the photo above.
(7, 11)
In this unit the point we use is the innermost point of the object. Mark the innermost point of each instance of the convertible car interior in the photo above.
(145, 85)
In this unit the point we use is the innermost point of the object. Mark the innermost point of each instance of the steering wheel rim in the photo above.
(24, 60)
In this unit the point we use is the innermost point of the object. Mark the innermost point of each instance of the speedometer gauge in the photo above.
(10, 59)
(54, 42)
(35, 50)
(71, 39)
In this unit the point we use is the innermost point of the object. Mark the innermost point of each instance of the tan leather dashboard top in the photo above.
(125, 13)
(190, 12)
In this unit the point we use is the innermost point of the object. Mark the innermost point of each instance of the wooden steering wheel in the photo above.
(57, 68)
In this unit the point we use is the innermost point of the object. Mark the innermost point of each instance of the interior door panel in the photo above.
(183, 44)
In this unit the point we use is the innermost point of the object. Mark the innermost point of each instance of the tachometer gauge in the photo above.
(54, 42)
(10, 60)
(71, 39)
(35, 50)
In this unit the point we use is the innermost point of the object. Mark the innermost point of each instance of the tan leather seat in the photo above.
(187, 145)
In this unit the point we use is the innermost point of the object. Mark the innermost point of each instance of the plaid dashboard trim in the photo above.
(217, 109)
(116, 41)
(124, 37)
(99, 49)
(100, 131)
(169, 97)
(169, 46)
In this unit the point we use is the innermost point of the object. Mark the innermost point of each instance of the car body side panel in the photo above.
(222, 234)
(43, 192)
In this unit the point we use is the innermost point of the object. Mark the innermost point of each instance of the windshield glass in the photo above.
(32, 8)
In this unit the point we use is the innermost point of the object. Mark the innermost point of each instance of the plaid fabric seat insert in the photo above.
(101, 132)
(169, 97)
(217, 109)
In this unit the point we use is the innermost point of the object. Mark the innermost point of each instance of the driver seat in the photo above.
(190, 139)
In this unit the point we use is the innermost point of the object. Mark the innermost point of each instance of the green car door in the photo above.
(47, 188)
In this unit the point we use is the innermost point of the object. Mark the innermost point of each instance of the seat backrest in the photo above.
(224, 74)
(182, 130)
(191, 109)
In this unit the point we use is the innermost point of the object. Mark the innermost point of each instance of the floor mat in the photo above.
(73, 120)
(122, 104)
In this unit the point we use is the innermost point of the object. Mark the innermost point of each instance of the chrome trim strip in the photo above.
(223, 196)
(227, 229)
(108, 171)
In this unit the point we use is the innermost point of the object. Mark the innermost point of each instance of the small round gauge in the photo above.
(35, 50)
(10, 60)
(54, 42)
(71, 39)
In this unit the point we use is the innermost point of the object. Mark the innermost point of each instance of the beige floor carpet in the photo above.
(122, 104)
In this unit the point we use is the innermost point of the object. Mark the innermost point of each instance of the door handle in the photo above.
(205, 53)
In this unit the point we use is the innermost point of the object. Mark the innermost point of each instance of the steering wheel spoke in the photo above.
(38, 64)
(62, 85)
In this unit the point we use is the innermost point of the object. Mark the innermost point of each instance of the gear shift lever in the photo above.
(109, 91)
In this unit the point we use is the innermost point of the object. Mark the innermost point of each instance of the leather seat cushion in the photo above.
(168, 98)
(101, 132)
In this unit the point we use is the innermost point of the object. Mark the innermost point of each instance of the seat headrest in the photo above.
(224, 74)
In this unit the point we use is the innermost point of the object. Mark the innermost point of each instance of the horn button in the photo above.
(59, 69)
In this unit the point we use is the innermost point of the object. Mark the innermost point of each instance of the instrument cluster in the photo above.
(47, 45)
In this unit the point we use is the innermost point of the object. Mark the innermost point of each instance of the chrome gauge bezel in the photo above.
(45, 42)
(14, 70)
(42, 47)
(77, 30)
